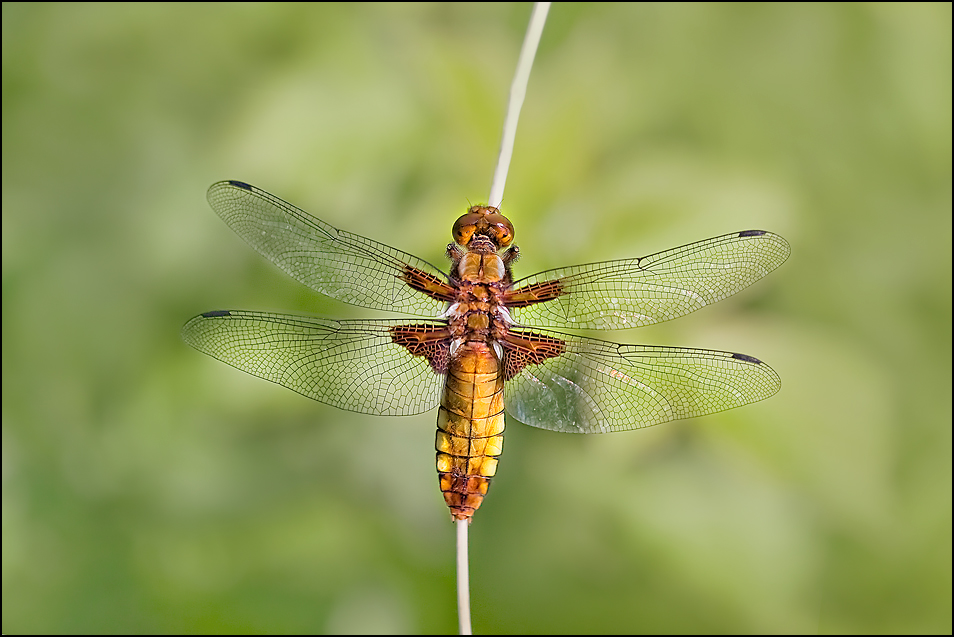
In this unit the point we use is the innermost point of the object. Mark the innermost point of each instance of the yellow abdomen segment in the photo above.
(470, 427)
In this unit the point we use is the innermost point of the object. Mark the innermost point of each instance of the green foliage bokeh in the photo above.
(147, 488)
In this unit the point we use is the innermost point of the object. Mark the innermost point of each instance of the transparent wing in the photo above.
(596, 386)
(353, 365)
(652, 289)
(344, 266)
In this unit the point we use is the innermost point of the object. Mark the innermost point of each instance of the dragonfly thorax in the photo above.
(477, 267)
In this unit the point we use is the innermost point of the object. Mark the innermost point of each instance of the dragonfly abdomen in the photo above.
(470, 425)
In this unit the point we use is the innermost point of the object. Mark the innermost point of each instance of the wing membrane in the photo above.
(635, 292)
(353, 365)
(339, 264)
(596, 386)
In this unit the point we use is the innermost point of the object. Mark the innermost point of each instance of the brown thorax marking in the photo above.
(474, 317)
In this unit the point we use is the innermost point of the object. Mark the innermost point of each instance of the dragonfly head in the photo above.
(483, 221)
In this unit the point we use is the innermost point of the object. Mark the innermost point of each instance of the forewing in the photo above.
(344, 266)
(652, 289)
(596, 386)
(353, 365)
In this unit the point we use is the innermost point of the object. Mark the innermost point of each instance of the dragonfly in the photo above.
(478, 343)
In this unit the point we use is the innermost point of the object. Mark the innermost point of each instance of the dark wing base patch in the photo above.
(533, 293)
(528, 348)
(427, 283)
(430, 341)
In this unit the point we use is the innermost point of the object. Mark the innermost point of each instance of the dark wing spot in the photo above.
(747, 358)
(240, 184)
(216, 313)
(752, 233)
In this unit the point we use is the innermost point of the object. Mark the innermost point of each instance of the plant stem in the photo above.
(463, 579)
(518, 89)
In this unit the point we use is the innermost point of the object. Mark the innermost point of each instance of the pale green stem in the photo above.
(463, 579)
(518, 89)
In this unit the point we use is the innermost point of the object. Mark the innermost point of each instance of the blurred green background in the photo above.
(148, 488)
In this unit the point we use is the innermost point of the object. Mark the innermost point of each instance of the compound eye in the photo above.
(464, 228)
(502, 228)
